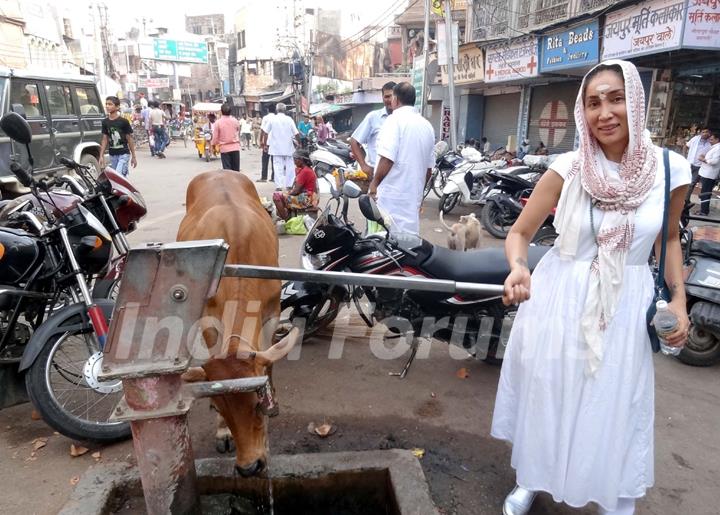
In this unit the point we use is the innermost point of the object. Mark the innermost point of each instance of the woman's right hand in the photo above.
(517, 286)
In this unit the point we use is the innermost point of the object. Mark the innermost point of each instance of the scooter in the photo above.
(465, 182)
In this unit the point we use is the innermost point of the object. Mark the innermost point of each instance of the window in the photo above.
(88, 101)
(59, 100)
(241, 40)
(26, 94)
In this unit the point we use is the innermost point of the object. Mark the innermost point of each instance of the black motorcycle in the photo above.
(478, 324)
(49, 322)
(503, 196)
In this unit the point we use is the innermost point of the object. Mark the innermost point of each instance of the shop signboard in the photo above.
(446, 120)
(645, 28)
(516, 61)
(181, 51)
(154, 83)
(571, 48)
(469, 67)
(702, 24)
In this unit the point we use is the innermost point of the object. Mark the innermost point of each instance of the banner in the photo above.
(441, 38)
(516, 61)
(417, 80)
(570, 48)
(158, 82)
(646, 28)
(438, 7)
(702, 24)
(446, 121)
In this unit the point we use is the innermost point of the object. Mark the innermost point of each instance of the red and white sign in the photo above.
(446, 121)
(702, 25)
(158, 82)
(516, 61)
(553, 123)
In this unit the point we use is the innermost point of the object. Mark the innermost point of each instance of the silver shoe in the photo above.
(519, 501)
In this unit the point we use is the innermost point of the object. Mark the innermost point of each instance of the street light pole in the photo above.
(451, 72)
(426, 52)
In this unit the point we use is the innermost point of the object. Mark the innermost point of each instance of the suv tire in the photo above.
(91, 161)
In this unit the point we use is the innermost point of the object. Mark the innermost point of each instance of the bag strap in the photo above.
(660, 279)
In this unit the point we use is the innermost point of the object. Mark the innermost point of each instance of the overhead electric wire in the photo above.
(379, 29)
(369, 27)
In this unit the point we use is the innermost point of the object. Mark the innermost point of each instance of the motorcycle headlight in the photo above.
(138, 199)
(314, 261)
(93, 222)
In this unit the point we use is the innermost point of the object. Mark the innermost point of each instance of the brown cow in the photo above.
(225, 204)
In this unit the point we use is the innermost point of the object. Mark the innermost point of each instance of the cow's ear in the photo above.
(194, 375)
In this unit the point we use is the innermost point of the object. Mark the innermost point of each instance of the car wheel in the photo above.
(92, 162)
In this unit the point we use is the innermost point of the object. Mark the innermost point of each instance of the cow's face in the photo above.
(242, 413)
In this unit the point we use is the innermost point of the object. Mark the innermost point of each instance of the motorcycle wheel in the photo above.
(428, 184)
(494, 221)
(92, 162)
(317, 317)
(448, 202)
(545, 236)
(701, 350)
(438, 184)
(63, 386)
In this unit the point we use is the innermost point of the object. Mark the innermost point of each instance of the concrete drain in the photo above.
(346, 483)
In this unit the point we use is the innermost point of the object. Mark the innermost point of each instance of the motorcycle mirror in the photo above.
(16, 127)
(352, 190)
(23, 176)
(369, 209)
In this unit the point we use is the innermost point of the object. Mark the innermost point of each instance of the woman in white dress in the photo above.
(575, 396)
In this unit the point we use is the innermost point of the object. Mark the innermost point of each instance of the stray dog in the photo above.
(465, 234)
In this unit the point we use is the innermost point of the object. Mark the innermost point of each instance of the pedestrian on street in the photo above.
(709, 170)
(405, 147)
(322, 131)
(117, 139)
(225, 134)
(304, 127)
(486, 148)
(157, 122)
(245, 132)
(304, 190)
(264, 127)
(281, 136)
(576, 390)
(256, 125)
(368, 130)
(697, 146)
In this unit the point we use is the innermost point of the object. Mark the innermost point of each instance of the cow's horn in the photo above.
(280, 349)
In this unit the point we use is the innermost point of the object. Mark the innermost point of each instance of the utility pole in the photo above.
(426, 52)
(451, 72)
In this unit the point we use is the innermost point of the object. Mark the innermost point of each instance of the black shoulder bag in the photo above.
(661, 290)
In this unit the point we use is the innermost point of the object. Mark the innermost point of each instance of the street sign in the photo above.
(181, 51)
(157, 82)
(417, 80)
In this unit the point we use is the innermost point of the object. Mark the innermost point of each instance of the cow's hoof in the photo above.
(224, 444)
(252, 470)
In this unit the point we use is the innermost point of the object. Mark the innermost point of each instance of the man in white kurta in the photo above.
(281, 132)
(406, 155)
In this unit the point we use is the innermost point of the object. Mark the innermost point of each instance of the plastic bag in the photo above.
(295, 225)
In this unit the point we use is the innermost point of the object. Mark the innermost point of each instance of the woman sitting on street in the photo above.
(303, 194)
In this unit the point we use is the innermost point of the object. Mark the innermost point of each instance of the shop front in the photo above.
(679, 41)
(469, 72)
(509, 71)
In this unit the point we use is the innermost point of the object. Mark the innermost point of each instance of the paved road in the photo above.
(345, 383)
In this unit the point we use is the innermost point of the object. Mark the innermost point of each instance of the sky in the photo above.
(125, 13)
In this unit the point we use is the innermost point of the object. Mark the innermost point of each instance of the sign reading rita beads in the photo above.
(570, 48)
(516, 61)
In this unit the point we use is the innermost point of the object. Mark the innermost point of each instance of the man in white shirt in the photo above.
(697, 146)
(709, 171)
(281, 133)
(368, 130)
(405, 149)
(264, 124)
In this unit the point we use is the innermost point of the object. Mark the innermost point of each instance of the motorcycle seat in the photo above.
(708, 248)
(487, 266)
(340, 152)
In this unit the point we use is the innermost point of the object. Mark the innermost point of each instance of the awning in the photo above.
(325, 109)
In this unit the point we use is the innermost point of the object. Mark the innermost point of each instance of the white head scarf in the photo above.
(587, 182)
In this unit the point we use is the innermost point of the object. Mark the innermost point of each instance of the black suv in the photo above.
(65, 114)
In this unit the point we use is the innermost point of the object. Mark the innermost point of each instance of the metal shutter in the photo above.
(551, 116)
(501, 116)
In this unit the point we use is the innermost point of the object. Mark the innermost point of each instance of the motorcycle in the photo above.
(466, 181)
(329, 156)
(58, 348)
(445, 162)
(503, 198)
(478, 324)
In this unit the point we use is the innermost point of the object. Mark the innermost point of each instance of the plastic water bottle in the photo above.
(665, 322)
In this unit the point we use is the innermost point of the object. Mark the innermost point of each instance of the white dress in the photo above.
(584, 438)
